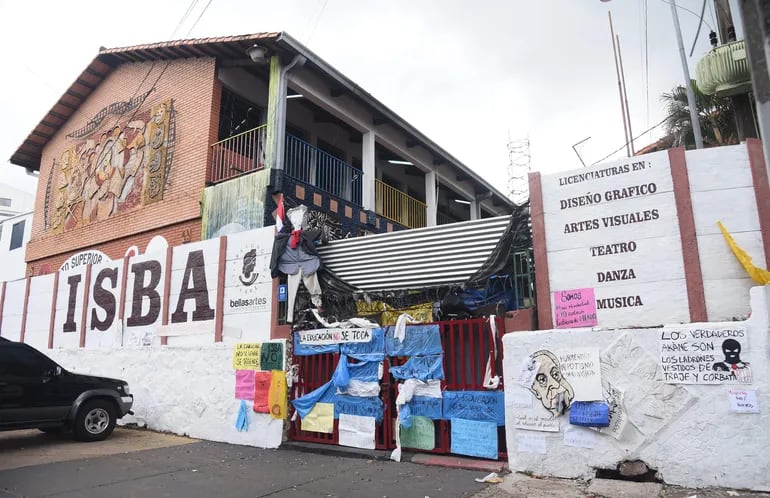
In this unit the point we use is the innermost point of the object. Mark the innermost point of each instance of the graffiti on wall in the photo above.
(124, 167)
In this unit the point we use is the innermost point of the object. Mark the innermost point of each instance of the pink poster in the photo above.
(244, 384)
(574, 308)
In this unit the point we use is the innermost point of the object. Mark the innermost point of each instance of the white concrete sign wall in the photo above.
(689, 431)
(186, 386)
(722, 189)
(248, 298)
(614, 228)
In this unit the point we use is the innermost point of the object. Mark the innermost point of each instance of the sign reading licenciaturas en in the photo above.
(614, 228)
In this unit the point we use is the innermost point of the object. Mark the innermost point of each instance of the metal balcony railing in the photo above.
(239, 154)
(398, 206)
(311, 165)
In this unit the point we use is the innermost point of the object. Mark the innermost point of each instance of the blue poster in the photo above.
(426, 407)
(373, 350)
(487, 406)
(368, 406)
(418, 340)
(474, 438)
(589, 413)
(283, 293)
(423, 368)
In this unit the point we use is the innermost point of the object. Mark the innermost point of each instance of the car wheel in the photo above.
(95, 420)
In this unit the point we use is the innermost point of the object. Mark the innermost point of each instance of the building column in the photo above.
(430, 198)
(475, 209)
(276, 110)
(368, 161)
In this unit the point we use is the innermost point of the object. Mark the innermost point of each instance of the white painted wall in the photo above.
(686, 432)
(721, 187)
(13, 309)
(183, 390)
(187, 386)
(39, 311)
(13, 264)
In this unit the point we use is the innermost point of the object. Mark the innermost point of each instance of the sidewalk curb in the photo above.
(339, 451)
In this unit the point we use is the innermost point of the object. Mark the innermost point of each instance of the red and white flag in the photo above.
(280, 215)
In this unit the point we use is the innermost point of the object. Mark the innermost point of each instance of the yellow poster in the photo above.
(320, 418)
(246, 356)
(277, 396)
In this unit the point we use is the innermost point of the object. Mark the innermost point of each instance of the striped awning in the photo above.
(415, 259)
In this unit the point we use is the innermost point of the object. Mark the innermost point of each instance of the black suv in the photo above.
(35, 392)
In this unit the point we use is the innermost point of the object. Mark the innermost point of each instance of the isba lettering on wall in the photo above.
(192, 295)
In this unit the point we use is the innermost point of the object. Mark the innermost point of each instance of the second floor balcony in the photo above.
(309, 165)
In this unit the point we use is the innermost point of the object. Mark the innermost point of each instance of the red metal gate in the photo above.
(467, 347)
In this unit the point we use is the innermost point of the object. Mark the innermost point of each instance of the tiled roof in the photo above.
(29, 153)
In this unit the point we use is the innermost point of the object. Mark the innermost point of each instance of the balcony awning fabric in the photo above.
(465, 253)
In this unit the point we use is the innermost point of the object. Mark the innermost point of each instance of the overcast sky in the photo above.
(469, 74)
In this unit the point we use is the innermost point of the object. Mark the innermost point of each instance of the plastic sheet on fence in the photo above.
(419, 340)
(361, 388)
(366, 371)
(341, 375)
(354, 405)
(426, 407)
(373, 350)
(421, 368)
(324, 394)
(309, 349)
(487, 406)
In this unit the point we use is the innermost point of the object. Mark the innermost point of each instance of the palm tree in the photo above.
(717, 118)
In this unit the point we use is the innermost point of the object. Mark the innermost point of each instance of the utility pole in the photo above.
(745, 124)
(620, 86)
(625, 96)
(756, 29)
(687, 81)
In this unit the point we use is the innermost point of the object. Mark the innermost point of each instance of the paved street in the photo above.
(206, 469)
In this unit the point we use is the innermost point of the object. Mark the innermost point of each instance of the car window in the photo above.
(23, 362)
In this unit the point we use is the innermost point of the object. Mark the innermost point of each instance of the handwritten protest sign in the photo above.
(271, 356)
(474, 438)
(246, 356)
(320, 418)
(319, 337)
(743, 401)
(581, 367)
(574, 308)
(356, 431)
(708, 355)
(421, 435)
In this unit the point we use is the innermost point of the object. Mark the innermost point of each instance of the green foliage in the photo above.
(716, 115)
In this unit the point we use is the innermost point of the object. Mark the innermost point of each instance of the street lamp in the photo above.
(687, 81)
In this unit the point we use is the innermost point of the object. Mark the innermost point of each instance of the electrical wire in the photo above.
(624, 145)
(690, 11)
(317, 19)
(165, 67)
(700, 23)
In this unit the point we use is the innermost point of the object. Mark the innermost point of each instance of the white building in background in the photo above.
(16, 207)
(14, 201)
(14, 233)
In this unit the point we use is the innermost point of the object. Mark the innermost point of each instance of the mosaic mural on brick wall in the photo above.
(121, 161)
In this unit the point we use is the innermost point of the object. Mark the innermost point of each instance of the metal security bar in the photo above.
(398, 206)
(239, 154)
(311, 165)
